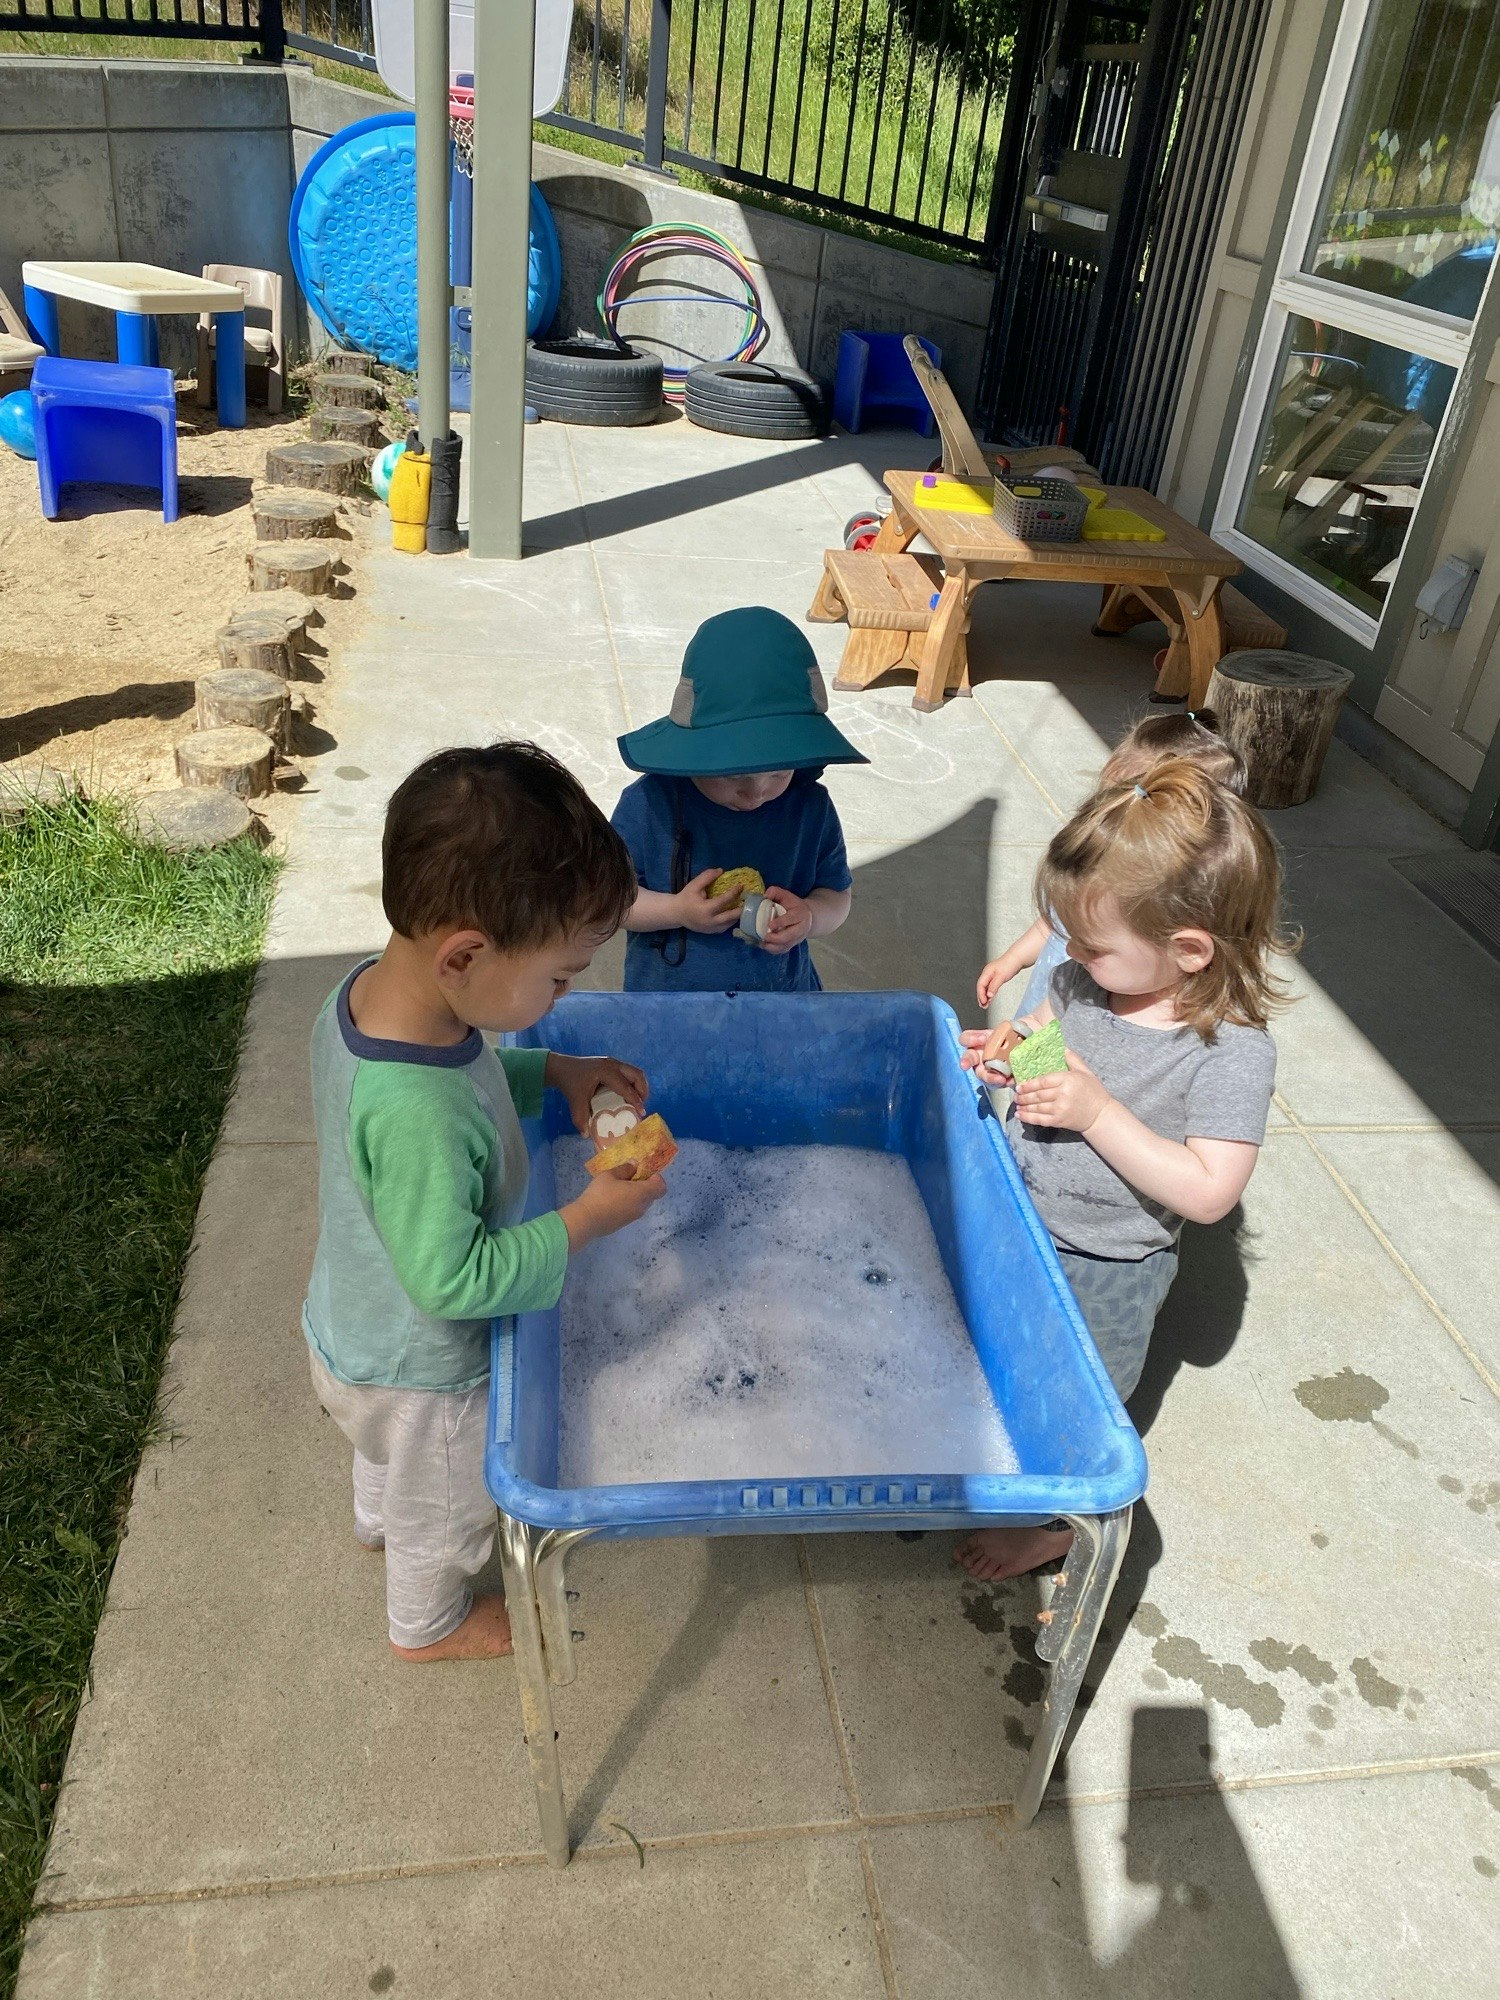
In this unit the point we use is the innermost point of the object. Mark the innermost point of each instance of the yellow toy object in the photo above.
(739, 882)
(1101, 523)
(411, 488)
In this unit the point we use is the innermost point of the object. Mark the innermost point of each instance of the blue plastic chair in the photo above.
(109, 425)
(876, 386)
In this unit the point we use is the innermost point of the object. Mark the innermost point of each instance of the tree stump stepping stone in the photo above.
(293, 608)
(342, 391)
(232, 759)
(303, 566)
(293, 514)
(344, 361)
(257, 645)
(183, 819)
(324, 464)
(1278, 710)
(361, 427)
(244, 697)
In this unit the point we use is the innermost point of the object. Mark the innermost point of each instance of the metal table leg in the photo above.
(518, 1548)
(552, 1549)
(1067, 1642)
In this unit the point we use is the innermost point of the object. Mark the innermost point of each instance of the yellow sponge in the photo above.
(646, 1149)
(740, 883)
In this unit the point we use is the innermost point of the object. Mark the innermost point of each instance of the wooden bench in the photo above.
(888, 602)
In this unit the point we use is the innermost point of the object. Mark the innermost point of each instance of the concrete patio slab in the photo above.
(738, 1922)
(1436, 1195)
(1358, 1887)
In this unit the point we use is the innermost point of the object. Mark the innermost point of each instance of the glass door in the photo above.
(1386, 257)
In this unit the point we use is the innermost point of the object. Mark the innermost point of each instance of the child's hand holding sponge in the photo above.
(646, 1149)
(1041, 1054)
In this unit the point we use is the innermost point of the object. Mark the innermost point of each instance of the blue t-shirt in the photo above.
(795, 841)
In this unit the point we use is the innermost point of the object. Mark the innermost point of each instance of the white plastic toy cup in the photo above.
(757, 914)
(610, 1117)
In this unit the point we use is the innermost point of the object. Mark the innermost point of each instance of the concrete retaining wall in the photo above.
(184, 163)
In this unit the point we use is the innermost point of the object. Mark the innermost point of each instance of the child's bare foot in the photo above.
(992, 1554)
(484, 1635)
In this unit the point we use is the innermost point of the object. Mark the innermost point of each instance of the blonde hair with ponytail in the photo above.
(1176, 851)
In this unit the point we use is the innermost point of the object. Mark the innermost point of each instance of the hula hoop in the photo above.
(695, 239)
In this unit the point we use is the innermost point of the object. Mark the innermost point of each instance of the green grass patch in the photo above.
(124, 975)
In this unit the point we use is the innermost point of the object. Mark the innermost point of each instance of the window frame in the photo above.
(1435, 336)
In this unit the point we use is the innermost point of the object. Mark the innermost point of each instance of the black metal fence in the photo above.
(885, 110)
(253, 22)
(890, 111)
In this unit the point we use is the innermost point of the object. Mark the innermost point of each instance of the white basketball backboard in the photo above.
(396, 60)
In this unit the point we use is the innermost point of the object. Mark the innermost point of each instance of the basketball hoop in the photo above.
(461, 124)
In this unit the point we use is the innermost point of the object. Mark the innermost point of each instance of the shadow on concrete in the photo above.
(33, 728)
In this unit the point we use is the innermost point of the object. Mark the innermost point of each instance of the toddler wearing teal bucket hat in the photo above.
(731, 785)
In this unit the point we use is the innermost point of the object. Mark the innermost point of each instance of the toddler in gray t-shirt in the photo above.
(1168, 890)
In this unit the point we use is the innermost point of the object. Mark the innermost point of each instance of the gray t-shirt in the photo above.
(1174, 1081)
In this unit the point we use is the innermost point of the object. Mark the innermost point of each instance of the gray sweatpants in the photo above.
(419, 1494)
(1119, 1300)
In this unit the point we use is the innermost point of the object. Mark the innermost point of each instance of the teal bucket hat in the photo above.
(751, 698)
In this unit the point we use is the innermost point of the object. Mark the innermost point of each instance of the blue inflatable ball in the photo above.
(382, 468)
(18, 422)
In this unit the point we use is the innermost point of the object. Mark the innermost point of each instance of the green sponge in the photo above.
(1041, 1054)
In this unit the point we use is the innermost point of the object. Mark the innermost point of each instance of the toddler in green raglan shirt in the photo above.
(500, 880)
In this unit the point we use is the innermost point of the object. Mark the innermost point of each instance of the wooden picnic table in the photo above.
(1179, 578)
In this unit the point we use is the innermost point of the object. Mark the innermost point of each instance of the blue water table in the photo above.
(137, 294)
(104, 424)
(875, 1071)
(876, 386)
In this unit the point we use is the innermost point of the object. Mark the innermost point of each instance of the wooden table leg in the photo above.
(944, 637)
(827, 607)
(869, 653)
(896, 534)
(1203, 628)
(1120, 609)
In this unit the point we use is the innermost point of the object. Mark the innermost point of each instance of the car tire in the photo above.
(754, 399)
(590, 381)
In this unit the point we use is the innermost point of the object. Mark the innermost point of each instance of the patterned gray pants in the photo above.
(1119, 1301)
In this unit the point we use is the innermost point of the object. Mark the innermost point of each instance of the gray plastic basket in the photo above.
(1040, 510)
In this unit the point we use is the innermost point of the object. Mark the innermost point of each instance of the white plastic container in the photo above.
(395, 55)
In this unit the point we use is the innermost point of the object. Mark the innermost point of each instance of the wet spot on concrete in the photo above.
(1483, 1498)
(989, 1673)
(1323, 1716)
(1449, 1484)
(1205, 1751)
(1351, 1398)
(1373, 1685)
(1196, 1896)
(1485, 1867)
(983, 1609)
(354, 773)
(1345, 1398)
(1319, 1539)
(1017, 1737)
(367, 889)
(383, 1979)
(1230, 1687)
(1480, 1779)
(1155, 1678)
(1149, 1620)
(1279, 1658)
(1024, 1682)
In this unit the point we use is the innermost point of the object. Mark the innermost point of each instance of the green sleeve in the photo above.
(419, 1147)
(526, 1073)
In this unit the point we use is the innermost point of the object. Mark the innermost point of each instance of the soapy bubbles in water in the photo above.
(784, 1312)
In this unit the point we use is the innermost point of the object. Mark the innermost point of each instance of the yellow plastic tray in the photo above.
(1102, 524)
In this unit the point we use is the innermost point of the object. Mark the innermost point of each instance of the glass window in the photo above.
(1342, 453)
(1411, 206)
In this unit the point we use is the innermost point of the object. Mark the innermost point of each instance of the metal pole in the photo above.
(504, 57)
(430, 28)
(654, 138)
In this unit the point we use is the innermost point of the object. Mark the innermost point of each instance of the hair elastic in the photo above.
(1141, 792)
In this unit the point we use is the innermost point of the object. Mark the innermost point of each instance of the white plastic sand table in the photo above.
(136, 294)
(844, 1316)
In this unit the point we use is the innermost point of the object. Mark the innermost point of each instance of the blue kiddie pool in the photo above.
(844, 1316)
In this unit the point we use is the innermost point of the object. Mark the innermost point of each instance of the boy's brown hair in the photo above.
(1186, 732)
(1177, 851)
(502, 840)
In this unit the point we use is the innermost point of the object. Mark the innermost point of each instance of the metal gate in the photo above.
(1121, 154)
